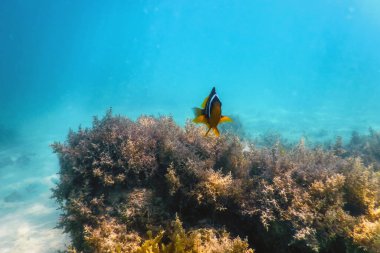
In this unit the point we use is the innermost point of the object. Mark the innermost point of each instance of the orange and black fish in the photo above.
(211, 113)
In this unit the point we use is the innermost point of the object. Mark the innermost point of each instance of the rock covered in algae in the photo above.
(151, 186)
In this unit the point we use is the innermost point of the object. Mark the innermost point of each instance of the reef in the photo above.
(365, 146)
(152, 186)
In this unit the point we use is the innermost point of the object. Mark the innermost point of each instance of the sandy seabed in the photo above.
(28, 215)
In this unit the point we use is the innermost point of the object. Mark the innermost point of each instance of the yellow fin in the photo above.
(208, 131)
(197, 111)
(204, 102)
(225, 119)
(216, 131)
(200, 119)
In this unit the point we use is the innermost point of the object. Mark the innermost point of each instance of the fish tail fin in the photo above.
(208, 131)
(225, 119)
(216, 131)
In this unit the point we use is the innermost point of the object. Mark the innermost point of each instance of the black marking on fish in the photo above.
(212, 99)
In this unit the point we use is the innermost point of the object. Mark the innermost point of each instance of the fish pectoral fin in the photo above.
(197, 111)
(200, 119)
(225, 119)
(216, 131)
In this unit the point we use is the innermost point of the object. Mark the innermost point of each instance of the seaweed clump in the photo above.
(367, 147)
(151, 186)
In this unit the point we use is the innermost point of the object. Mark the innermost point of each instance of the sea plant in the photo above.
(123, 183)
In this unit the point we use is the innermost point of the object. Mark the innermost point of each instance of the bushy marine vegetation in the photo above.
(365, 146)
(123, 185)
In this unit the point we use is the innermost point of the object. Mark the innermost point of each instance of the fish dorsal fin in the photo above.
(224, 119)
(205, 102)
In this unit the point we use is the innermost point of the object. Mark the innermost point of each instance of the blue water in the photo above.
(301, 68)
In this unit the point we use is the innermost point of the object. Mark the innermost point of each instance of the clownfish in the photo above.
(211, 113)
